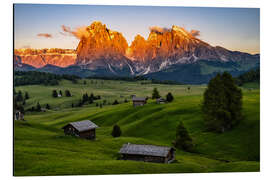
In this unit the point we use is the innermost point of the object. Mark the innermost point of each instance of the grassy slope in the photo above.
(42, 149)
(108, 89)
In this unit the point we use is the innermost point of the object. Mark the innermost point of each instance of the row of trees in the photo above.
(42, 78)
(156, 95)
(55, 93)
(87, 99)
(250, 76)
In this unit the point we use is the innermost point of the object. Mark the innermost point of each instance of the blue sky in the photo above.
(232, 28)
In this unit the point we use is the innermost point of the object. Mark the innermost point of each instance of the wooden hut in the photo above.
(84, 129)
(139, 101)
(18, 115)
(161, 101)
(147, 153)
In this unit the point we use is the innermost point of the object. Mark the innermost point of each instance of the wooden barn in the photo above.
(84, 129)
(139, 101)
(147, 153)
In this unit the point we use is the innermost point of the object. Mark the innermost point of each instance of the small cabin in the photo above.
(84, 129)
(147, 153)
(161, 101)
(139, 101)
(18, 115)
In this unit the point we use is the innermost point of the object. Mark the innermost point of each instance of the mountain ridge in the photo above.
(103, 50)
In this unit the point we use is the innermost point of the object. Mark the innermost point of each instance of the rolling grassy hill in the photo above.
(41, 148)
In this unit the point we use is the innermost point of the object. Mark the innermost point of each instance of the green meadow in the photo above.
(41, 148)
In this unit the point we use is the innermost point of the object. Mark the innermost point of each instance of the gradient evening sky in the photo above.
(232, 28)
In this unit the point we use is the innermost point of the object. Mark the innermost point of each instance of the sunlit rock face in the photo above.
(41, 57)
(106, 51)
(101, 43)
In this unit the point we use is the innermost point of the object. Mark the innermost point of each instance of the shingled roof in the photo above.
(139, 99)
(84, 125)
(140, 149)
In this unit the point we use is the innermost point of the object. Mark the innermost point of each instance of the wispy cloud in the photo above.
(46, 35)
(158, 29)
(78, 32)
(195, 33)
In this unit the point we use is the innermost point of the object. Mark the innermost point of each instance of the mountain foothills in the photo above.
(167, 54)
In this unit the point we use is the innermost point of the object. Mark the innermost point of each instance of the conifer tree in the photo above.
(222, 103)
(183, 140)
(26, 96)
(116, 132)
(155, 94)
(169, 97)
(54, 94)
(38, 108)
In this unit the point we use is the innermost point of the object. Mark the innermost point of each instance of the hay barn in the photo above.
(84, 129)
(147, 153)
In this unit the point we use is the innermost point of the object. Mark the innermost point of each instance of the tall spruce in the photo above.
(183, 140)
(155, 94)
(26, 96)
(54, 94)
(19, 96)
(169, 97)
(116, 132)
(38, 108)
(67, 93)
(222, 103)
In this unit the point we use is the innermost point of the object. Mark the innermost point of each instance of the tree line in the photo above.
(42, 78)
(250, 76)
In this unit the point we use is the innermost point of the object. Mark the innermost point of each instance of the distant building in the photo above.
(84, 129)
(18, 115)
(43, 109)
(161, 101)
(133, 95)
(139, 101)
(147, 153)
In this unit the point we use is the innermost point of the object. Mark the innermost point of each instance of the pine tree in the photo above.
(19, 96)
(115, 102)
(48, 106)
(67, 93)
(116, 132)
(85, 98)
(155, 94)
(169, 97)
(23, 103)
(84, 82)
(183, 140)
(222, 103)
(54, 94)
(38, 108)
(26, 96)
(60, 92)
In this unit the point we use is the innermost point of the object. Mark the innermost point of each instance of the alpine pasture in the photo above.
(41, 148)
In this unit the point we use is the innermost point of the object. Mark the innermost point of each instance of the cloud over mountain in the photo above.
(195, 33)
(78, 32)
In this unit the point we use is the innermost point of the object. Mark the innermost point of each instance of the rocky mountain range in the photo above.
(167, 54)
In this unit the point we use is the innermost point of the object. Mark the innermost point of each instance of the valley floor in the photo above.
(41, 148)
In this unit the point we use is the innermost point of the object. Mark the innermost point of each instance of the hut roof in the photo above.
(140, 149)
(83, 125)
(161, 99)
(139, 99)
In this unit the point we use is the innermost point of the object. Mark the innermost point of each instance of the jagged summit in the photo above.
(104, 50)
